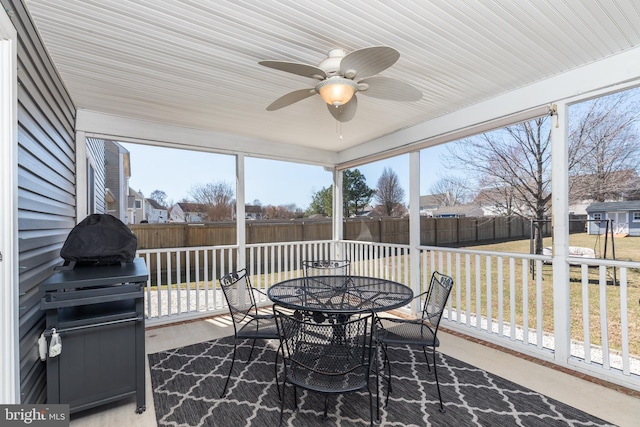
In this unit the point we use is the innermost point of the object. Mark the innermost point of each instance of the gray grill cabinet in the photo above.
(98, 313)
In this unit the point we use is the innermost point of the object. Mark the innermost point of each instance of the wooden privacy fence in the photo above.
(433, 231)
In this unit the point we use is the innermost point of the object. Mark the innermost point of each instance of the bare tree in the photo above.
(513, 163)
(603, 147)
(160, 197)
(389, 194)
(218, 199)
(451, 191)
(290, 211)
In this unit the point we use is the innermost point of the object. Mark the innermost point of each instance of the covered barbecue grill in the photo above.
(97, 312)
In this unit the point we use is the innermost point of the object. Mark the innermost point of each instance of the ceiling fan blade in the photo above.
(344, 113)
(303, 70)
(291, 98)
(369, 61)
(390, 89)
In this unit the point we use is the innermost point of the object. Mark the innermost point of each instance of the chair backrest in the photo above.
(437, 295)
(238, 292)
(341, 347)
(327, 267)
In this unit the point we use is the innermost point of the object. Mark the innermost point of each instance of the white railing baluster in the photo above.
(489, 293)
(458, 288)
(500, 268)
(512, 298)
(207, 282)
(478, 294)
(197, 253)
(624, 320)
(584, 269)
(214, 274)
(539, 313)
(604, 318)
(468, 293)
(525, 301)
(169, 282)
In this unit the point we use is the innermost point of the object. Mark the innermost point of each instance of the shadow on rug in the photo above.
(187, 383)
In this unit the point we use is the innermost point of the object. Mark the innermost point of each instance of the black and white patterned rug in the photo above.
(187, 383)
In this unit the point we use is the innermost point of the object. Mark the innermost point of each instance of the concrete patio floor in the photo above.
(616, 407)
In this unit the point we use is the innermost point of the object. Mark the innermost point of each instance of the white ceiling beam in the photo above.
(106, 126)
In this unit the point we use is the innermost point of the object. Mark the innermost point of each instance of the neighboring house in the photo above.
(136, 207)
(188, 212)
(155, 212)
(118, 172)
(624, 216)
(431, 202)
(502, 201)
(458, 211)
(253, 212)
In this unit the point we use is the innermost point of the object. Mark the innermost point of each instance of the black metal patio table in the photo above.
(340, 294)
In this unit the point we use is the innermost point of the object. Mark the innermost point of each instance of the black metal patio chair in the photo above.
(327, 358)
(327, 267)
(417, 332)
(247, 323)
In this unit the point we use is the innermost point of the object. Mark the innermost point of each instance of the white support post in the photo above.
(9, 286)
(81, 177)
(241, 229)
(414, 225)
(338, 212)
(560, 222)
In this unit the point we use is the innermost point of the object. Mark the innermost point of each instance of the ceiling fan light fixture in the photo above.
(336, 90)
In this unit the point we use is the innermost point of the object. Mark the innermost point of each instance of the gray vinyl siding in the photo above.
(46, 187)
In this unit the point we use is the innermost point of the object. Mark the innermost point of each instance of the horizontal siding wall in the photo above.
(46, 187)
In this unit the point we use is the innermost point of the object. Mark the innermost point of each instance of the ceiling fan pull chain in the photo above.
(339, 129)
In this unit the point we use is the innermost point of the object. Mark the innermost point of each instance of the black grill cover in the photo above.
(100, 239)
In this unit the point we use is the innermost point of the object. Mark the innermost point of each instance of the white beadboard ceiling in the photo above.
(194, 63)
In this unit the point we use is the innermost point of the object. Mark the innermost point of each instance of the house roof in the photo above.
(155, 205)
(432, 200)
(192, 207)
(631, 205)
(253, 209)
(466, 210)
(194, 67)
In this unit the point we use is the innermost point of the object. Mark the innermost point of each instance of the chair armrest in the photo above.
(419, 295)
(259, 291)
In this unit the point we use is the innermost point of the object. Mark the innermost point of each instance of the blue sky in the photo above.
(271, 182)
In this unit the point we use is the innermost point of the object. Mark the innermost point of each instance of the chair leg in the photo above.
(424, 350)
(326, 404)
(386, 362)
(371, 408)
(253, 344)
(233, 359)
(276, 372)
(377, 362)
(284, 386)
(435, 371)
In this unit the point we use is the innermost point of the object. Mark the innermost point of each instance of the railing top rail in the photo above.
(185, 248)
(363, 243)
(487, 253)
(293, 243)
(605, 262)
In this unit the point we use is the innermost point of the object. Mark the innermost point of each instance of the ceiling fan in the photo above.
(341, 75)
